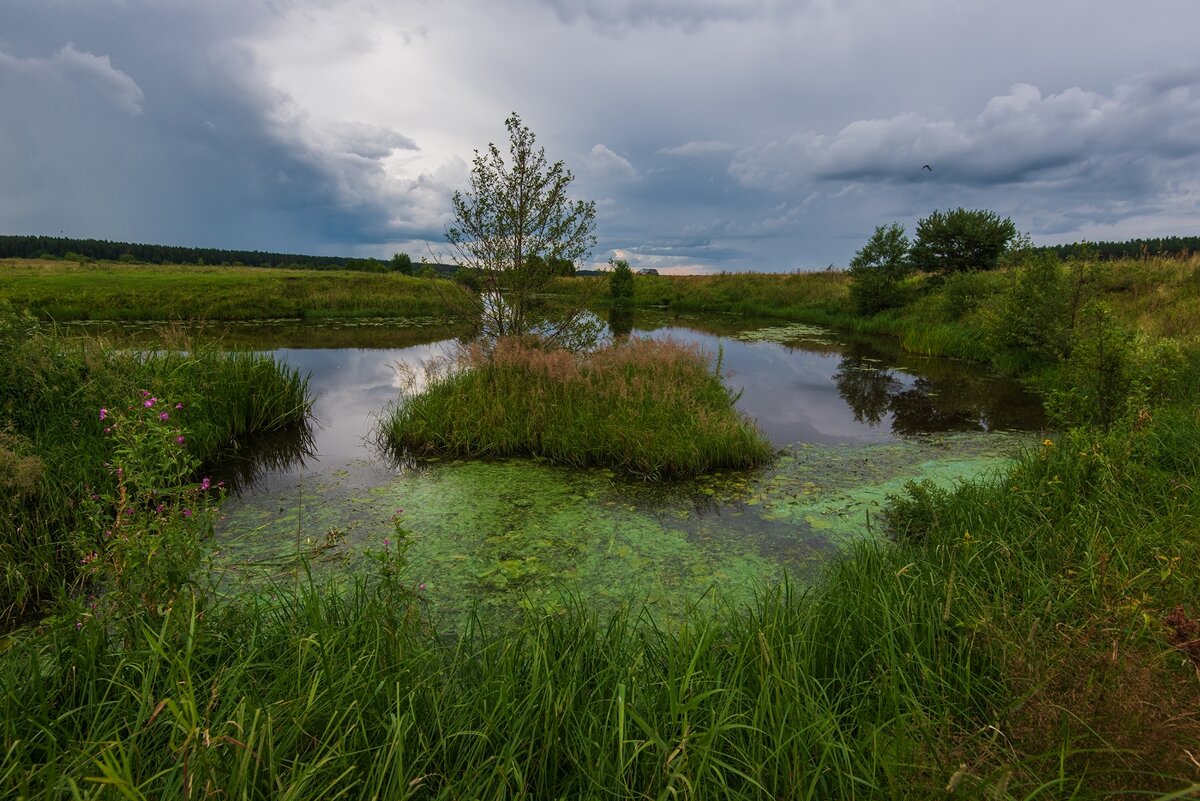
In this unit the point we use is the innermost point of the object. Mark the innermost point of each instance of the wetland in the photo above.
(853, 419)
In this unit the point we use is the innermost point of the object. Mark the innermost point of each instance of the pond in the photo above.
(854, 419)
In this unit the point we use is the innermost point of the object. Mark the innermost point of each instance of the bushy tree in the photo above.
(515, 228)
(620, 281)
(960, 240)
(877, 270)
(402, 263)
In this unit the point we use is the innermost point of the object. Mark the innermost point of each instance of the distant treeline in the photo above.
(57, 247)
(1130, 249)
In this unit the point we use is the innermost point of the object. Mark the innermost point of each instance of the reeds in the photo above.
(649, 408)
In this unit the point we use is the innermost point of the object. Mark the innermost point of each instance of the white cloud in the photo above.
(87, 70)
(708, 147)
(686, 14)
(604, 163)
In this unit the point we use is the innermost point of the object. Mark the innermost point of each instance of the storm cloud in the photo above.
(713, 135)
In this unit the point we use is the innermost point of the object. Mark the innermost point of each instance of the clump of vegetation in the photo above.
(620, 282)
(57, 398)
(650, 408)
(877, 270)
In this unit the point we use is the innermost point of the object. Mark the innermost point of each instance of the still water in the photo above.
(854, 419)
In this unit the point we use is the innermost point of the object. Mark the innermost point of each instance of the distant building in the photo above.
(647, 271)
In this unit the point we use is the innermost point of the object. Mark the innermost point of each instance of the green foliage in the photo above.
(963, 294)
(143, 539)
(401, 263)
(1111, 373)
(913, 516)
(517, 230)
(960, 240)
(620, 282)
(1030, 322)
(877, 270)
(53, 443)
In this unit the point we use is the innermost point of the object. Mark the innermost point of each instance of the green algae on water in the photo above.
(513, 535)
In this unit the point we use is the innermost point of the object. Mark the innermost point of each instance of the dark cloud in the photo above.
(716, 134)
(173, 135)
(1071, 138)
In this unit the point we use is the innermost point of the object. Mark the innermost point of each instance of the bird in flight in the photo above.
(927, 167)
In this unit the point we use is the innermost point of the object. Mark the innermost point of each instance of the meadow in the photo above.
(62, 290)
(1032, 634)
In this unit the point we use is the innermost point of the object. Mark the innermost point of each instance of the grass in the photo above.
(53, 445)
(652, 409)
(115, 291)
(1028, 635)
(1010, 643)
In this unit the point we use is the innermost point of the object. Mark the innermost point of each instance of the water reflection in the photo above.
(914, 395)
(266, 455)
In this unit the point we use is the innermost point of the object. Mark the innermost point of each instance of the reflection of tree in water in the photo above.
(866, 387)
(939, 396)
(620, 321)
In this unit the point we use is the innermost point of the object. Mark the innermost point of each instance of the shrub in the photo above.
(620, 282)
(1111, 371)
(877, 270)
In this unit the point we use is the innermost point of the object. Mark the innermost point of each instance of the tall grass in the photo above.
(1009, 644)
(53, 448)
(650, 408)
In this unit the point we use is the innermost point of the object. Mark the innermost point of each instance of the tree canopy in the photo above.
(961, 239)
(516, 230)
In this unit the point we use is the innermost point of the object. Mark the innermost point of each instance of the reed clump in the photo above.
(649, 408)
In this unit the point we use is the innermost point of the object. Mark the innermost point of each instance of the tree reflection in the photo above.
(928, 395)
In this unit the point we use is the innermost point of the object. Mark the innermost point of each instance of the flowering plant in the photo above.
(144, 541)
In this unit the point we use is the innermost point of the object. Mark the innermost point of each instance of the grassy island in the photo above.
(651, 409)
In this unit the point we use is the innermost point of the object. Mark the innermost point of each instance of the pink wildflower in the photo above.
(180, 440)
(163, 416)
(103, 413)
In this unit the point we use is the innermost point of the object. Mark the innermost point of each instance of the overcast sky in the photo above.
(769, 135)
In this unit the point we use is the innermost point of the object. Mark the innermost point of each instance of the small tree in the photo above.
(877, 270)
(620, 282)
(960, 240)
(515, 229)
(402, 263)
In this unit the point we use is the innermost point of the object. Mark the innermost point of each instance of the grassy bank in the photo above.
(56, 445)
(1159, 296)
(115, 291)
(648, 408)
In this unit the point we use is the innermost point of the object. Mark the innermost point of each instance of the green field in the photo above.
(56, 290)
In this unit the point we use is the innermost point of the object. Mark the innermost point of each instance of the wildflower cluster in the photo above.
(146, 530)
